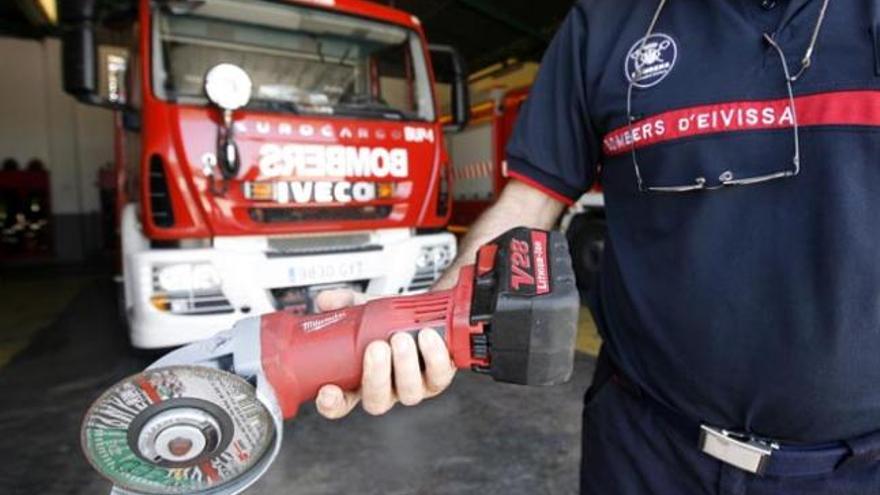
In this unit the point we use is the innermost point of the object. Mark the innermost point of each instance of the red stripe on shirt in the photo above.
(842, 108)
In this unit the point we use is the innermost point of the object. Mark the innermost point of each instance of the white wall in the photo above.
(38, 120)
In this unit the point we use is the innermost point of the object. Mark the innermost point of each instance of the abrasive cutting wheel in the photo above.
(180, 429)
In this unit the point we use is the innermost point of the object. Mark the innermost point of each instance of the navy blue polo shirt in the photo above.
(753, 307)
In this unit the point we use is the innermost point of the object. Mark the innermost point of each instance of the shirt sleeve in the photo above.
(554, 147)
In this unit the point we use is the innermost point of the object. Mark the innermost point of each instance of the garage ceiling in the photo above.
(485, 31)
(14, 22)
(490, 31)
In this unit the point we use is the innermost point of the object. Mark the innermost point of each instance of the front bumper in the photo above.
(249, 273)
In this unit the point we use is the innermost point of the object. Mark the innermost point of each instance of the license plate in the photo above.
(325, 272)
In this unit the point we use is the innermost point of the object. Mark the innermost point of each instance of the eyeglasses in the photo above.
(728, 178)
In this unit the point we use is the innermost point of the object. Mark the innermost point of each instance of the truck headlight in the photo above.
(187, 277)
(434, 258)
(424, 260)
(442, 257)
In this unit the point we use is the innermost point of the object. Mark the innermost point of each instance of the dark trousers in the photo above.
(630, 449)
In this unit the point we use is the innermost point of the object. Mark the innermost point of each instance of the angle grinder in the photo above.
(207, 418)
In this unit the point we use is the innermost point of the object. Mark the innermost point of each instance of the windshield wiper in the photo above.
(275, 105)
(370, 110)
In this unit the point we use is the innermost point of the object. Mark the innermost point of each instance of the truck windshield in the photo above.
(301, 60)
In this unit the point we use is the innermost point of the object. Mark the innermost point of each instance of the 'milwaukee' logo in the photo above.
(319, 323)
(315, 160)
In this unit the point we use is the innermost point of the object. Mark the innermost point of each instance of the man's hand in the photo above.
(391, 371)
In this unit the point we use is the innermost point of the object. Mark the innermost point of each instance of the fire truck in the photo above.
(480, 172)
(266, 151)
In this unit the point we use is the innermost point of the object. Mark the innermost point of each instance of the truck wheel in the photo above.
(586, 239)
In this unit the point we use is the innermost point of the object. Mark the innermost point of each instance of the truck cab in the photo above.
(269, 150)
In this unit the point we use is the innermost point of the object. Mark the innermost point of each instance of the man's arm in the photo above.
(391, 371)
(518, 205)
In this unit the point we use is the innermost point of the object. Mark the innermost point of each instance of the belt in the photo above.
(754, 454)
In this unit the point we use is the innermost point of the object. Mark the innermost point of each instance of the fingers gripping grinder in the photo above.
(206, 419)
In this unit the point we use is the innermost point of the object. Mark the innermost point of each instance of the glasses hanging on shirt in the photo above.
(728, 178)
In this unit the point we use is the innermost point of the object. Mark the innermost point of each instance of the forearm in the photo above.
(518, 205)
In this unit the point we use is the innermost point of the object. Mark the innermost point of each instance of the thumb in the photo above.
(334, 299)
(331, 300)
(334, 403)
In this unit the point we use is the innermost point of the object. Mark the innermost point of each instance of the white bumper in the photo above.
(248, 274)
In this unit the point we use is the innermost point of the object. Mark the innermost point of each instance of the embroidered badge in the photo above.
(650, 61)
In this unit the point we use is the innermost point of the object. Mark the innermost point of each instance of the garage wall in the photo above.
(518, 76)
(38, 120)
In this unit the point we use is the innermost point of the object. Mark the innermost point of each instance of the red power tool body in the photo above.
(301, 354)
(512, 315)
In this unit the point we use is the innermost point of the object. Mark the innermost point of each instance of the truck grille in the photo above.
(203, 304)
(188, 304)
(319, 214)
(281, 247)
(423, 279)
(160, 199)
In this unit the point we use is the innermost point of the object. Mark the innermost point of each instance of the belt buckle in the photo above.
(741, 451)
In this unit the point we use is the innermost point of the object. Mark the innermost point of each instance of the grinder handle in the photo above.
(302, 354)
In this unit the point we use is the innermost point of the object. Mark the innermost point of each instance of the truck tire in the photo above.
(586, 239)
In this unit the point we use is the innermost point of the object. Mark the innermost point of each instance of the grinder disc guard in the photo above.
(180, 429)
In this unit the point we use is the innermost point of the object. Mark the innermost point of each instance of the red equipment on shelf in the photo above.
(25, 211)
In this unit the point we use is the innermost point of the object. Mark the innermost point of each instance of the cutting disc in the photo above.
(175, 430)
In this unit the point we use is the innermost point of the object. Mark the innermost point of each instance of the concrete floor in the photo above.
(480, 437)
(31, 299)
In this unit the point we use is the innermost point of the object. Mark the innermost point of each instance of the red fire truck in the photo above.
(480, 173)
(268, 150)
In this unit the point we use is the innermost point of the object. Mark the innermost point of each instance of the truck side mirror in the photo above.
(78, 53)
(450, 71)
(83, 75)
(78, 62)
